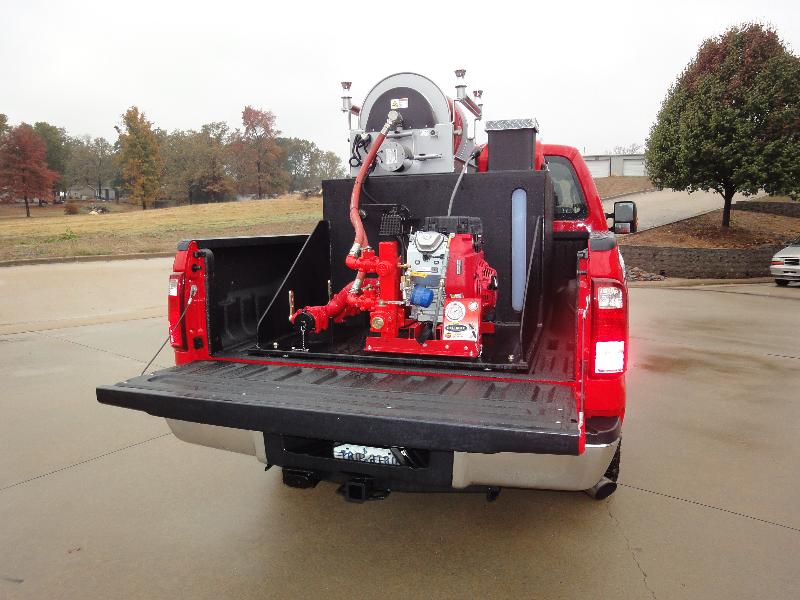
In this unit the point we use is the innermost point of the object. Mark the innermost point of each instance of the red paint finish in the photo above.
(175, 305)
(338, 308)
(596, 221)
(470, 282)
(469, 275)
(355, 197)
(194, 321)
(458, 125)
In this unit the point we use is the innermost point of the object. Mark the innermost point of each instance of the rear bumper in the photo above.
(469, 469)
(460, 432)
(535, 471)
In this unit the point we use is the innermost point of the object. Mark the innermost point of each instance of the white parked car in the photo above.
(785, 265)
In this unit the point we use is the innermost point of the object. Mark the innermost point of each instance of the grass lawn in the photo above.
(613, 186)
(748, 230)
(17, 210)
(51, 233)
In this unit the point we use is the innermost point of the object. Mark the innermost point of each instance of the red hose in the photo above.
(355, 197)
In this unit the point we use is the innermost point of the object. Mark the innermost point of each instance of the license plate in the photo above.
(367, 454)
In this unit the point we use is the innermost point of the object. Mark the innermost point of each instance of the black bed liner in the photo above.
(388, 408)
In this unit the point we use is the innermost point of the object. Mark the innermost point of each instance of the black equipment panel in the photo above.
(483, 195)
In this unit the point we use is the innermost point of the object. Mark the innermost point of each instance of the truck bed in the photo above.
(426, 410)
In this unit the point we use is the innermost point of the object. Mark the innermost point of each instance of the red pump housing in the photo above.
(470, 293)
(469, 275)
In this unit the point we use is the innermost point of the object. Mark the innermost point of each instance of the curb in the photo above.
(19, 262)
(681, 282)
(615, 196)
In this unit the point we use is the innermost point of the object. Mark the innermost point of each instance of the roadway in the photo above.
(666, 206)
(100, 502)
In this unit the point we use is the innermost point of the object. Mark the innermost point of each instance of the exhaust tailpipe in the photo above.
(602, 489)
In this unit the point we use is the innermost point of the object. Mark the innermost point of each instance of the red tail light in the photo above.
(609, 340)
(175, 304)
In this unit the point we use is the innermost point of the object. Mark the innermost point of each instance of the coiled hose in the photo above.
(360, 240)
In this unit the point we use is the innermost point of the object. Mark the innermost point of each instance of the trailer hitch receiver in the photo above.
(361, 489)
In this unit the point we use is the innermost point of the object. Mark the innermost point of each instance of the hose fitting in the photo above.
(355, 250)
(391, 119)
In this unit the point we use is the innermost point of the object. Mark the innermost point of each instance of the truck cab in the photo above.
(481, 344)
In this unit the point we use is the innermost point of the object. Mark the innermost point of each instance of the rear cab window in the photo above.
(570, 201)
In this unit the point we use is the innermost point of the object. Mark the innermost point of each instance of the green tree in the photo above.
(299, 158)
(57, 153)
(139, 158)
(731, 121)
(330, 167)
(213, 175)
(4, 127)
(182, 152)
(90, 163)
(307, 165)
(197, 164)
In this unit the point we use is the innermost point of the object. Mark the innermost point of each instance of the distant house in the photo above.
(89, 193)
(623, 165)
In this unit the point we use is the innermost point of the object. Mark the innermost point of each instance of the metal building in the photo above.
(623, 165)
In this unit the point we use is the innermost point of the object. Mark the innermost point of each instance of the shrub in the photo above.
(71, 208)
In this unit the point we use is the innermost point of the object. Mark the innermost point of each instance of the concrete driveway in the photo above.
(666, 206)
(100, 502)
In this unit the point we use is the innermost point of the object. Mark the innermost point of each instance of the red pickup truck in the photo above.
(483, 344)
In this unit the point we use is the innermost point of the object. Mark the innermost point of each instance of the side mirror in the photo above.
(625, 218)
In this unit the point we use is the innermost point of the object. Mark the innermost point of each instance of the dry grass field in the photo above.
(51, 233)
(127, 229)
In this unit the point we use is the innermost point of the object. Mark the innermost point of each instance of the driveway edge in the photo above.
(676, 282)
(18, 262)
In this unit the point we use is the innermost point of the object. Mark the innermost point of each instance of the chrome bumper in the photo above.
(538, 471)
(242, 441)
(790, 273)
(503, 469)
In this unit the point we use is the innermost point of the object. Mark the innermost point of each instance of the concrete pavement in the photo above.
(39, 297)
(666, 206)
(99, 502)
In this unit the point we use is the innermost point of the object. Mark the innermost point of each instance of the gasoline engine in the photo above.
(427, 288)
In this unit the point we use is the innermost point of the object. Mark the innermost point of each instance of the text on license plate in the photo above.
(367, 454)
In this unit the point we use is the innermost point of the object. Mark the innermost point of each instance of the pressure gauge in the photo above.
(455, 311)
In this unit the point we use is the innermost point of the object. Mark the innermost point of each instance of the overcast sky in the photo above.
(593, 74)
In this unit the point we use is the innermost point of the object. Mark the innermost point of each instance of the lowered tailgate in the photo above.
(386, 408)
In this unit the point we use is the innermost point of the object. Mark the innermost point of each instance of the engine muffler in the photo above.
(602, 489)
(299, 478)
